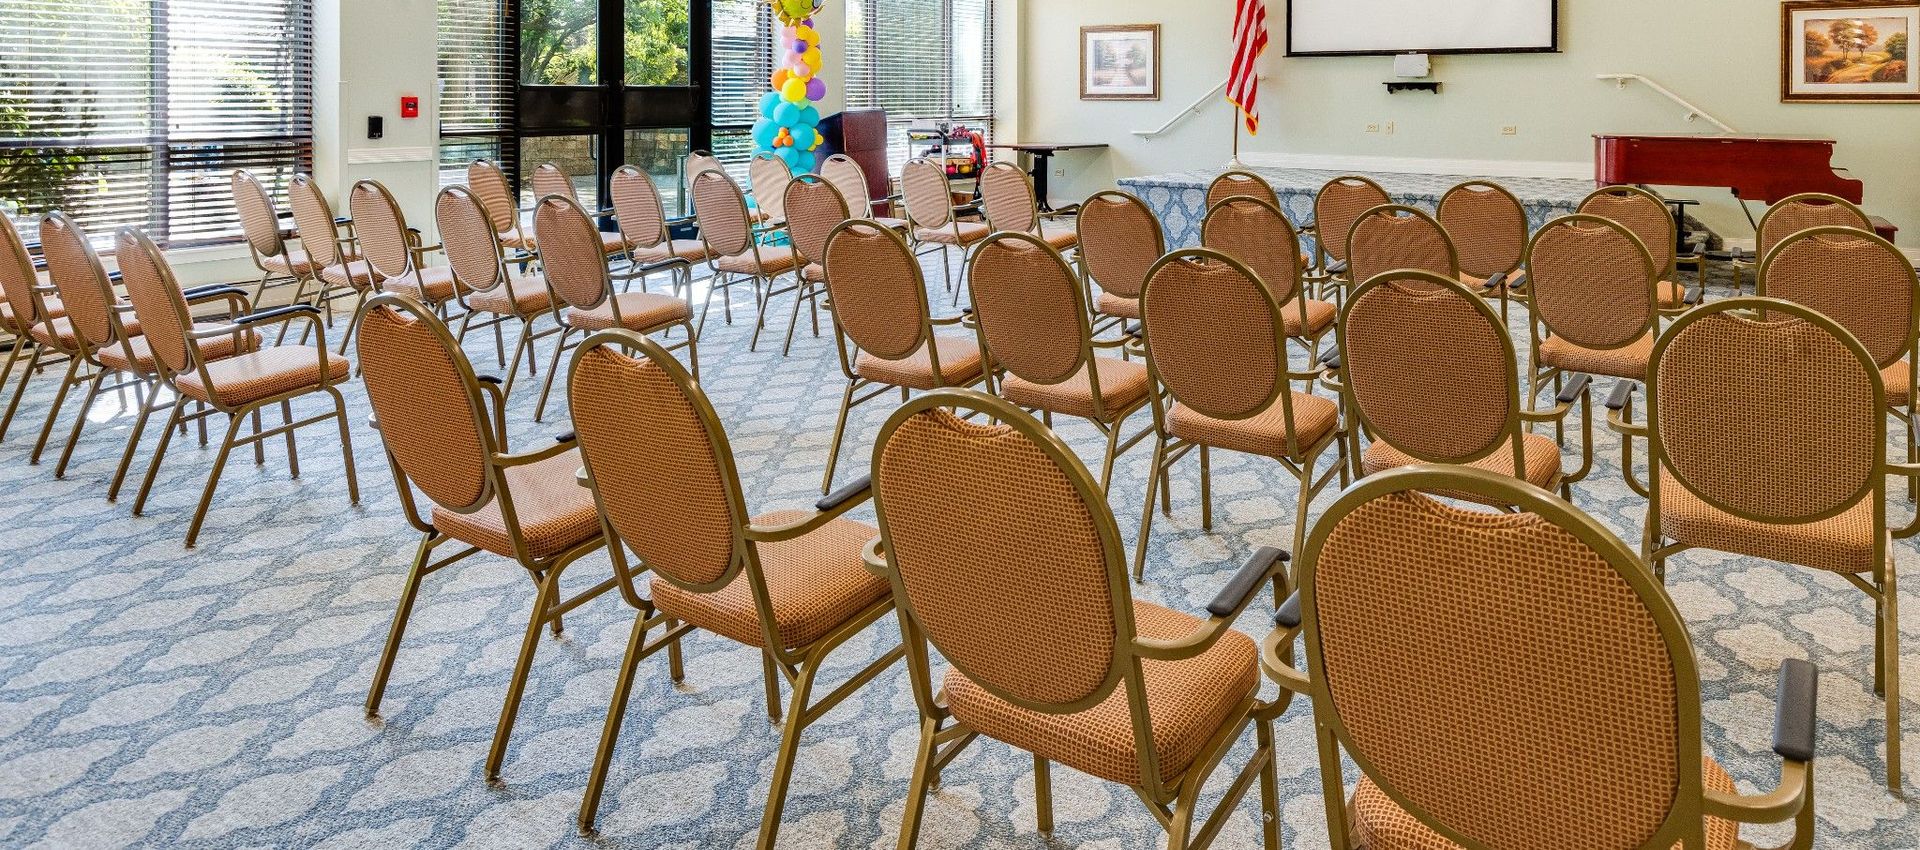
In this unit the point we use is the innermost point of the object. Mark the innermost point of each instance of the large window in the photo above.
(742, 65)
(477, 70)
(136, 111)
(923, 61)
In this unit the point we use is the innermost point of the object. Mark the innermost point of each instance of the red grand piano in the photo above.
(1756, 167)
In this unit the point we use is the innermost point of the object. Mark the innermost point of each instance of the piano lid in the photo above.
(1720, 137)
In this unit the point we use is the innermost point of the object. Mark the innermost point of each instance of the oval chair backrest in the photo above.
(923, 185)
(847, 176)
(158, 303)
(1006, 196)
(701, 162)
(17, 278)
(1809, 209)
(814, 209)
(1240, 184)
(313, 218)
(489, 184)
(659, 459)
(879, 296)
(1851, 276)
(1530, 739)
(75, 270)
(549, 179)
(570, 254)
(1031, 309)
(1256, 233)
(1430, 368)
(471, 244)
(721, 212)
(1592, 282)
(1214, 334)
(1119, 240)
(259, 221)
(1395, 236)
(1640, 211)
(637, 207)
(1031, 561)
(1716, 405)
(380, 228)
(769, 176)
(1488, 226)
(427, 399)
(1338, 206)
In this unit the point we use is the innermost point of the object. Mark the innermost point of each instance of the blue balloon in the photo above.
(768, 101)
(763, 133)
(788, 155)
(809, 115)
(786, 114)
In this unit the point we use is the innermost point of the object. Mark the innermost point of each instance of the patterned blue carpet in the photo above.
(154, 696)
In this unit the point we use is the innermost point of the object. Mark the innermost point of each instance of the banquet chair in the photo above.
(1119, 240)
(1429, 375)
(488, 183)
(582, 289)
(30, 304)
(1216, 341)
(1007, 199)
(444, 431)
(1396, 236)
(883, 329)
(341, 272)
(767, 179)
(1551, 700)
(260, 224)
(1874, 301)
(813, 208)
(644, 225)
(1488, 226)
(100, 333)
(485, 283)
(1023, 592)
(701, 162)
(845, 173)
(1594, 310)
(1791, 215)
(393, 249)
(1240, 184)
(1644, 213)
(933, 219)
(1336, 207)
(1258, 235)
(238, 386)
(551, 179)
(1031, 316)
(733, 254)
(791, 584)
(1796, 477)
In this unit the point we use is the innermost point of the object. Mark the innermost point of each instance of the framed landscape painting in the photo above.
(1120, 62)
(1840, 51)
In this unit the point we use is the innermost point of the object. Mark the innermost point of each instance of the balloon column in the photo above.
(788, 118)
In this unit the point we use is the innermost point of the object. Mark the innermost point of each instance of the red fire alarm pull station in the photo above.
(409, 107)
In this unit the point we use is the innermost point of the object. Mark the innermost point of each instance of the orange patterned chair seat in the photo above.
(816, 583)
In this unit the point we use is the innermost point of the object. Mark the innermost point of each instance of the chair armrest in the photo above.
(1337, 268)
(419, 250)
(1276, 651)
(277, 314)
(1574, 388)
(1288, 617)
(237, 301)
(1495, 281)
(1621, 395)
(535, 456)
(194, 291)
(680, 220)
(1265, 563)
(950, 320)
(1793, 741)
(1618, 403)
(845, 499)
(1794, 710)
(874, 558)
(1694, 295)
(1518, 280)
(342, 220)
(1331, 359)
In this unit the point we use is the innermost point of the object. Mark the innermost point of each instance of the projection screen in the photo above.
(1360, 27)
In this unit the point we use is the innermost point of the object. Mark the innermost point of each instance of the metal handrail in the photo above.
(1693, 112)
(1191, 109)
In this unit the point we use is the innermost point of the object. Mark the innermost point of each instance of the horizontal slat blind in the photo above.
(922, 61)
(124, 112)
(477, 68)
(742, 68)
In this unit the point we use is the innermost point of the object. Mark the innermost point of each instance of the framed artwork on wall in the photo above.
(1120, 62)
(1845, 51)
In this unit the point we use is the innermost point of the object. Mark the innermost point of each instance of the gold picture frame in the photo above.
(1120, 62)
(1846, 51)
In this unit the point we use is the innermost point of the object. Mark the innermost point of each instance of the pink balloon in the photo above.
(816, 89)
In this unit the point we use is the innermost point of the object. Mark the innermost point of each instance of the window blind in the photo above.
(121, 112)
(742, 66)
(477, 67)
(923, 61)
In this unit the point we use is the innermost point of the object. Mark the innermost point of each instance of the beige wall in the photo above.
(1722, 56)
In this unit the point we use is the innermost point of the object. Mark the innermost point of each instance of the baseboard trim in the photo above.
(1422, 165)
(372, 156)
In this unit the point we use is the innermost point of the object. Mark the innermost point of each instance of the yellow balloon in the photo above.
(806, 34)
(794, 91)
(818, 140)
(812, 58)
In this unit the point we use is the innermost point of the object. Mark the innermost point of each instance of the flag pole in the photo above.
(1234, 163)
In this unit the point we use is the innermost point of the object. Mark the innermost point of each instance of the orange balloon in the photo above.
(780, 78)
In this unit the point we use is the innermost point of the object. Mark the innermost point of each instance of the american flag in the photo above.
(1249, 41)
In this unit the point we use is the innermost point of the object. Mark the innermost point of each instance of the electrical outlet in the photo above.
(1389, 128)
(1059, 172)
(1373, 128)
(1509, 130)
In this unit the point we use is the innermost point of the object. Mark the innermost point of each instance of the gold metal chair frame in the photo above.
(761, 280)
(1883, 588)
(1791, 799)
(276, 245)
(1240, 183)
(681, 267)
(1503, 284)
(1168, 449)
(1033, 217)
(1308, 339)
(13, 251)
(1786, 206)
(798, 665)
(1173, 803)
(131, 239)
(375, 192)
(1103, 322)
(1329, 272)
(1398, 212)
(923, 219)
(489, 421)
(807, 291)
(1666, 244)
(345, 252)
(503, 279)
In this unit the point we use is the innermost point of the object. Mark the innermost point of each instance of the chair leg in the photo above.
(1206, 490)
(259, 446)
(159, 452)
(1300, 511)
(293, 451)
(789, 751)
(1269, 786)
(549, 588)
(213, 478)
(1106, 465)
(1889, 627)
(79, 423)
(133, 442)
(415, 575)
(610, 730)
(523, 347)
(53, 413)
(1042, 797)
(793, 321)
(1155, 478)
(540, 409)
(916, 801)
(839, 431)
(676, 665)
(771, 677)
(20, 343)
